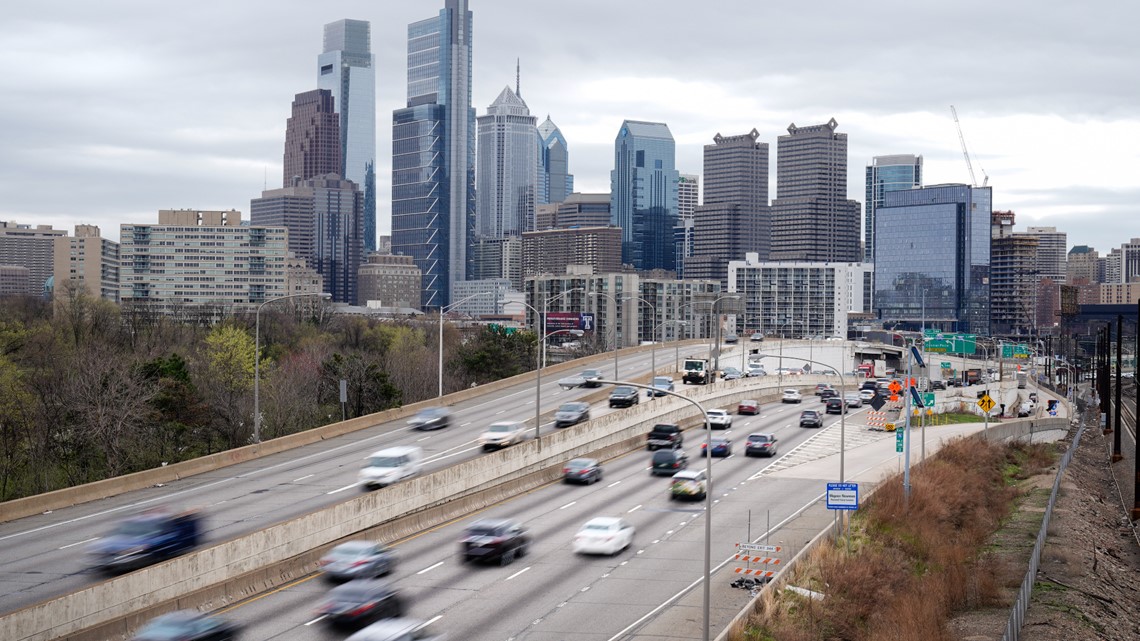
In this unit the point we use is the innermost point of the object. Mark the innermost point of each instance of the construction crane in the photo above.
(966, 154)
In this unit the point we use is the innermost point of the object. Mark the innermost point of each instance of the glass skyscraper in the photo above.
(934, 240)
(886, 173)
(433, 153)
(643, 194)
(347, 69)
(507, 170)
(555, 183)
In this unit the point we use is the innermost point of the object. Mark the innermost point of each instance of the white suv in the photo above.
(719, 419)
(502, 434)
(792, 396)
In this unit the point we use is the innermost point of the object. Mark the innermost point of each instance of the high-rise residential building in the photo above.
(312, 138)
(812, 219)
(433, 153)
(1081, 265)
(507, 169)
(201, 265)
(886, 173)
(577, 210)
(1052, 246)
(734, 217)
(1114, 266)
(688, 195)
(16, 280)
(555, 182)
(1013, 288)
(643, 194)
(550, 251)
(325, 219)
(394, 281)
(938, 274)
(491, 258)
(1124, 263)
(347, 69)
(32, 247)
(89, 261)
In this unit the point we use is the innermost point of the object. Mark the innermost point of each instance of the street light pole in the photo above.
(257, 359)
(713, 313)
(443, 310)
(616, 303)
(653, 352)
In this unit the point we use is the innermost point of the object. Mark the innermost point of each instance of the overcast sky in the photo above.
(112, 110)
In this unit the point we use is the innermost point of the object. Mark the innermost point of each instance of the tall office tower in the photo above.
(325, 219)
(1081, 266)
(433, 153)
(1051, 248)
(688, 196)
(89, 261)
(312, 138)
(734, 218)
(947, 258)
(347, 70)
(555, 182)
(507, 169)
(495, 258)
(812, 220)
(32, 247)
(643, 194)
(886, 173)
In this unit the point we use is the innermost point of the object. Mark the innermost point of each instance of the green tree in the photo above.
(224, 375)
(369, 389)
(496, 353)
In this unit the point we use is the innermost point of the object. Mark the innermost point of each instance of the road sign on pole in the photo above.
(899, 440)
(842, 496)
(986, 403)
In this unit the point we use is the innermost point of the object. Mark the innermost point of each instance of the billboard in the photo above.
(569, 320)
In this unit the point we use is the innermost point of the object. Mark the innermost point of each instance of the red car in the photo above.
(748, 407)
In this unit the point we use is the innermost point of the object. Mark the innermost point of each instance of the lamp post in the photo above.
(542, 321)
(443, 310)
(652, 334)
(538, 371)
(617, 302)
(573, 382)
(257, 359)
(716, 316)
(676, 342)
(842, 415)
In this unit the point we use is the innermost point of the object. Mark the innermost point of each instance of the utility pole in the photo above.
(1116, 455)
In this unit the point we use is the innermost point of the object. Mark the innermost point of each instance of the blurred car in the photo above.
(731, 338)
(572, 413)
(826, 394)
(937, 385)
(668, 462)
(188, 625)
(624, 396)
(591, 377)
(867, 395)
(721, 447)
(719, 419)
(757, 337)
(396, 630)
(502, 434)
(358, 559)
(811, 418)
(755, 370)
(791, 396)
(582, 470)
(360, 602)
(788, 371)
(748, 407)
(819, 387)
(430, 418)
(853, 400)
(603, 535)
(1033, 396)
(836, 405)
(688, 484)
(1025, 409)
(760, 444)
(497, 540)
(731, 373)
(390, 465)
(661, 384)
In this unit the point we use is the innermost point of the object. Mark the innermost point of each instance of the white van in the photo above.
(391, 465)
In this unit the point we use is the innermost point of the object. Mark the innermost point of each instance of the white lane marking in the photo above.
(499, 412)
(465, 424)
(422, 439)
(613, 484)
(71, 545)
(433, 620)
(304, 477)
(347, 487)
(635, 508)
(567, 505)
(430, 568)
(657, 541)
(320, 618)
(585, 588)
(517, 573)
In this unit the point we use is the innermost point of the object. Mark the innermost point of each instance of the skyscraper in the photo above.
(886, 173)
(555, 183)
(643, 194)
(347, 70)
(433, 153)
(688, 195)
(507, 170)
(812, 220)
(312, 138)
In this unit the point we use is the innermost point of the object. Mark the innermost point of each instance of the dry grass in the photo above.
(914, 561)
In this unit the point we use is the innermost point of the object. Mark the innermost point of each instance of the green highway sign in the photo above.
(1014, 350)
(899, 439)
(946, 365)
(928, 399)
(940, 345)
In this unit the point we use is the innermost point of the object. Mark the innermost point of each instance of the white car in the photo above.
(719, 419)
(792, 396)
(853, 400)
(867, 395)
(391, 465)
(755, 370)
(502, 434)
(603, 535)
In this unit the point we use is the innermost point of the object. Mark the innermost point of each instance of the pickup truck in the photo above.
(664, 435)
(145, 539)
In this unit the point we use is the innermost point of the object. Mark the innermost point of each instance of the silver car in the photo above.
(358, 559)
(572, 413)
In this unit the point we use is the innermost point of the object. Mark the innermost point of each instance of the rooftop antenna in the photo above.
(518, 74)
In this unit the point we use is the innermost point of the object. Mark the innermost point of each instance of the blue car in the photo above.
(660, 384)
(721, 447)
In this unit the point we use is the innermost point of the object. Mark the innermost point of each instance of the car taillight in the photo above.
(358, 563)
(325, 562)
(361, 610)
(676, 464)
(583, 471)
(565, 470)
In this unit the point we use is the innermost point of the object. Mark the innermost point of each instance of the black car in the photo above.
(937, 385)
(582, 470)
(871, 385)
(572, 413)
(494, 540)
(430, 418)
(188, 625)
(591, 377)
(760, 444)
(624, 396)
(668, 462)
(360, 602)
(810, 418)
(665, 435)
(825, 394)
(836, 405)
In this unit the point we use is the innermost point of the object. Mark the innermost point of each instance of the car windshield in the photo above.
(810, 413)
(717, 412)
(578, 463)
(350, 550)
(694, 365)
(384, 461)
(605, 527)
(168, 627)
(663, 456)
(573, 407)
(134, 528)
(482, 530)
(791, 392)
(590, 373)
(661, 380)
(431, 412)
(758, 438)
(622, 390)
(502, 427)
(356, 591)
(719, 441)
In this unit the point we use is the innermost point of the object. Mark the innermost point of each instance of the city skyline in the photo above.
(190, 113)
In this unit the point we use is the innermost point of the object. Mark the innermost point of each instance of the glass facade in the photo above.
(643, 194)
(555, 183)
(932, 258)
(886, 173)
(507, 171)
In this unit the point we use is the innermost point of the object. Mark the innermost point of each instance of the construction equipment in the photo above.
(966, 154)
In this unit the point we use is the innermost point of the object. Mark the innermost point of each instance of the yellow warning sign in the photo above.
(986, 403)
